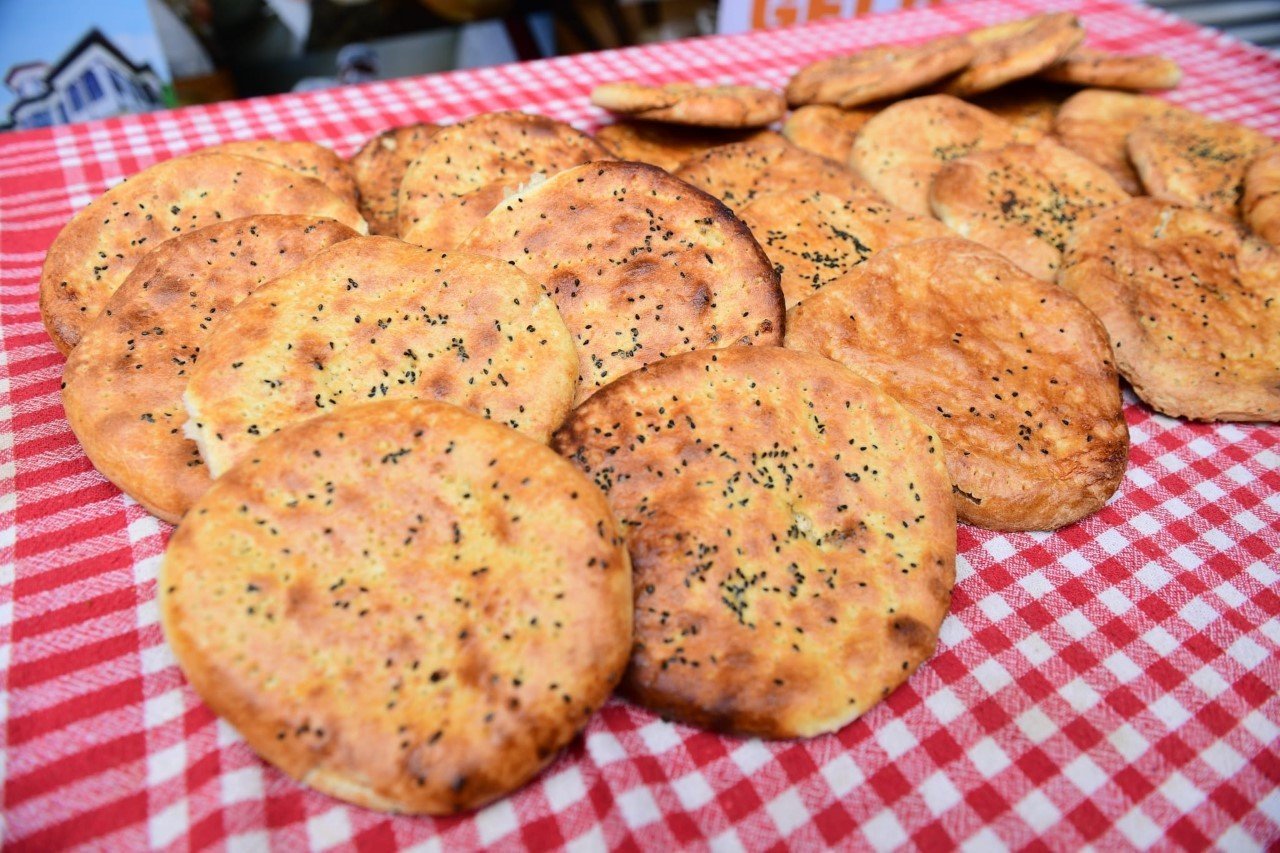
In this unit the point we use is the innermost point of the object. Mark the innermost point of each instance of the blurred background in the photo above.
(73, 60)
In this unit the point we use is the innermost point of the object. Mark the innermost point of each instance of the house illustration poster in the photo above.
(93, 76)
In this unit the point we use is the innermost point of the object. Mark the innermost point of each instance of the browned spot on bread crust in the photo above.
(378, 168)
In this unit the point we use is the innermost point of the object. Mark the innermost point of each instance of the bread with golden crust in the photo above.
(1024, 201)
(401, 604)
(465, 170)
(1086, 67)
(306, 158)
(641, 265)
(825, 130)
(373, 318)
(378, 168)
(1029, 105)
(791, 531)
(667, 146)
(878, 73)
(814, 238)
(1014, 50)
(1192, 305)
(1096, 123)
(1261, 202)
(1014, 374)
(737, 173)
(688, 104)
(95, 252)
(122, 384)
(901, 148)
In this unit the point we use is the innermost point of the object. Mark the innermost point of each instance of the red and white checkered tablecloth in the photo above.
(1111, 684)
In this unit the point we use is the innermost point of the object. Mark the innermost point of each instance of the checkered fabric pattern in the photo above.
(1111, 684)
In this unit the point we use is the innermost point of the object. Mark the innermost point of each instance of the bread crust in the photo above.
(878, 73)
(401, 605)
(374, 318)
(1029, 105)
(379, 166)
(687, 104)
(95, 252)
(666, 146)
(1086, 67)
(1016, 49)
(1192, 305)
(1261, 202)
(641, 265)
(825, 130)
(793, 551)
(306, 158)
(1096, 123)
(1014, 374)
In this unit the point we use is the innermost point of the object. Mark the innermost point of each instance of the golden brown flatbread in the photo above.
(1024, 201)
(901, 148)
(685, 103)
(1261, 203)
(379, 166)
(825, 130)
(305, 158)
(814, 238)
(666, 146)
(1086, 67)
(738, 173)
(1028, 105)
(102, 243)
(641, 265)
(374, 318)
(467, 169)
(1096, 122)
(401, 605)
(1192, 304)
(1190, 158)
(1013, 373)
(1016, 49)
(122, 385)
(791, 531)
(878, 73)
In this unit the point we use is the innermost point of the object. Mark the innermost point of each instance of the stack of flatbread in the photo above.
(493, 419)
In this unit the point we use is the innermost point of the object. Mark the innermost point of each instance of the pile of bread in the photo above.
(690, 407)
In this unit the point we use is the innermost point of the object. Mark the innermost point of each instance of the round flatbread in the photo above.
(877, 73)
(901, 148)
(122, 385)
(1013, 373)
(1016, 49)
(1192, 304)
(815, 238)
(1085, 67)
(378, 168)
(825, 130)
(401, 605)
(305, 158)
(666, 146)
(1190, 158)
(99, 247)
(1096, 122)
(685, 103)
(738, 173)
(1028, 105)
(467, 169)
(372, 319)
(641, 265)
(1261, 203)
(1024, 201)
(791, 531)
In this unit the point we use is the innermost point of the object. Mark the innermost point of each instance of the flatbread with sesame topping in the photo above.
(826, 130)
(815, 238)
(95, 252)
(122, 385)
(1096, 122)
(401, 605)
(738, 173)
(901, 148)
(1086, 67)
(374, 318)
(878, 73)
(791, 531)
(468, 168)
(1024, 201)
(685, 103)
(1014, 50)
(305, 158)
(1014, 374)
(666, 146)
(1192, 304)
(1190, 158)
(379, 166)
(641, 265)
(1261, 203)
